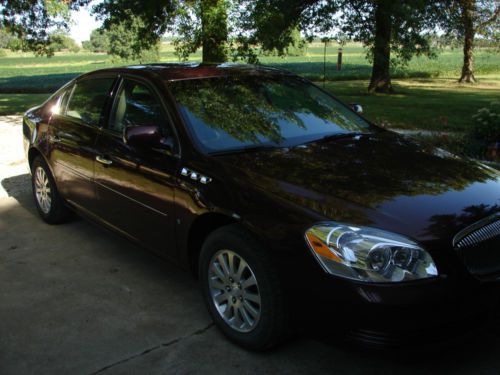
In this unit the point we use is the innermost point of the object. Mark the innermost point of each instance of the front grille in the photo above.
(482, 234)
(479, 247)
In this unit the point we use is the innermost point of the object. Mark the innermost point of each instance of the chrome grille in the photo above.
(484, 233)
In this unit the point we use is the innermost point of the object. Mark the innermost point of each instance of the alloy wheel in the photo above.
(42, 190)
(234, 291)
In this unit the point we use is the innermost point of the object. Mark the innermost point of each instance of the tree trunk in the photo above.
(381, 79)
(214, 30)
(468, 23)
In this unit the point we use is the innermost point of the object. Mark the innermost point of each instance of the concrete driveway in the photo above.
(75, 299)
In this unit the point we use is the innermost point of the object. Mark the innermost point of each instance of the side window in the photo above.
(55, 105)
(88, 98)
(137, 105)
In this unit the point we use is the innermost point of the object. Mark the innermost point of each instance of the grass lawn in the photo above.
(15, 104)
(439, 104)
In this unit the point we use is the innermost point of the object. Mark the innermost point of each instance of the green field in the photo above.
(428, 96)
(26, 73)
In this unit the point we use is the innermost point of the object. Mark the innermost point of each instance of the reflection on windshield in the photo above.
(237, 112)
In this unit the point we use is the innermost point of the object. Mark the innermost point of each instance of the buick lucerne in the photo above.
(286, 204)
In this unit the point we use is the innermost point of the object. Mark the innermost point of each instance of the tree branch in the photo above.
(490, 20)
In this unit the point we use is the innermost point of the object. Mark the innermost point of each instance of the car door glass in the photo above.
(56, 105)
(136, 105)
(88, 98)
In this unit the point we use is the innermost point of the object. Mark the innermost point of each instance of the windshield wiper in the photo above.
(336, 136)
(243, 149)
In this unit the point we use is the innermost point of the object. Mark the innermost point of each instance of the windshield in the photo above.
(236, 113)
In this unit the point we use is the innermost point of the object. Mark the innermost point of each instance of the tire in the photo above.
(233, 300)
(49, 203)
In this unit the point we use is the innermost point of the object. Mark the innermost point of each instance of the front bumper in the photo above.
(424, 308)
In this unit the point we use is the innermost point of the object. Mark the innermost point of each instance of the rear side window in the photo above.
(88, 99)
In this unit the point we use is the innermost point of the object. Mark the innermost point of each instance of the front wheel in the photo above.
(241, 289)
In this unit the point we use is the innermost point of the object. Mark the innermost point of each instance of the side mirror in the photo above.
(356, 108)
(147, 137)
(142, 136)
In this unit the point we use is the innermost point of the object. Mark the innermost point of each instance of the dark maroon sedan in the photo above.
(286, 204)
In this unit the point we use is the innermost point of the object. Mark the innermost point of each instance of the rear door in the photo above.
(135, 187)
(73, 135)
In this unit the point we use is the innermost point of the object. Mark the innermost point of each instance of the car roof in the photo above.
(183, 71)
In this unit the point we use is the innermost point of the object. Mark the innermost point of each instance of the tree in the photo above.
(392, 31)
(199, 24)
(213, 30)
(273, 24)
(155, 18)
(468, 18)
(202, 24)
(98, 41)
(7, 39)
(122, 41)
(60, 41)
(31, 21)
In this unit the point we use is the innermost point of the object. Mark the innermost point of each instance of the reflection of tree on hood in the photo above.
(441, 224)
(251, 107)
(368, 171)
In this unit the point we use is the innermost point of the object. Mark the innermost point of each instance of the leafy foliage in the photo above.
(61, 41)
(410, 19)
(485, 130)
(123, 43)
(141, 22)
(7, 40)
(98, 41)
(485, 17)
(198, 24)
(202, 24)
(465, 19)
(392, 31)
(32, 20)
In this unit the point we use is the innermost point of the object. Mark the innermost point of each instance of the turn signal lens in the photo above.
(368, 254)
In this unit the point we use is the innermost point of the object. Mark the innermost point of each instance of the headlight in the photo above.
(368, 254)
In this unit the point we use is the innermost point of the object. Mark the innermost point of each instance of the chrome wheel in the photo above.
(42, 190)
(234, 290)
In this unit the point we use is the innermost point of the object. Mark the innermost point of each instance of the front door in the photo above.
(135, 187)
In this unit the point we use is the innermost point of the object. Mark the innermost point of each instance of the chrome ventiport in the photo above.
(195, 176)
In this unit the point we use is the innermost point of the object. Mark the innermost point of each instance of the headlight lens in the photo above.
(368, 254)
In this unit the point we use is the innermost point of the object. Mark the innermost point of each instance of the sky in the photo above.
(83, 23)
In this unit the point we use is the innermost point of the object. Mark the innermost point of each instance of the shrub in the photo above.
(485, 132)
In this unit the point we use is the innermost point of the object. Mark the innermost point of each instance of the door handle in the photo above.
(54, 139)
(104, 161)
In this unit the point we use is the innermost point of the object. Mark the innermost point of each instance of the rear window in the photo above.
(88, 99)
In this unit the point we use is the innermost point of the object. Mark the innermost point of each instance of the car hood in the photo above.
(382, 180)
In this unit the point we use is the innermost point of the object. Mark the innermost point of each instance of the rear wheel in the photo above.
(241, 289)
(48, 202)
